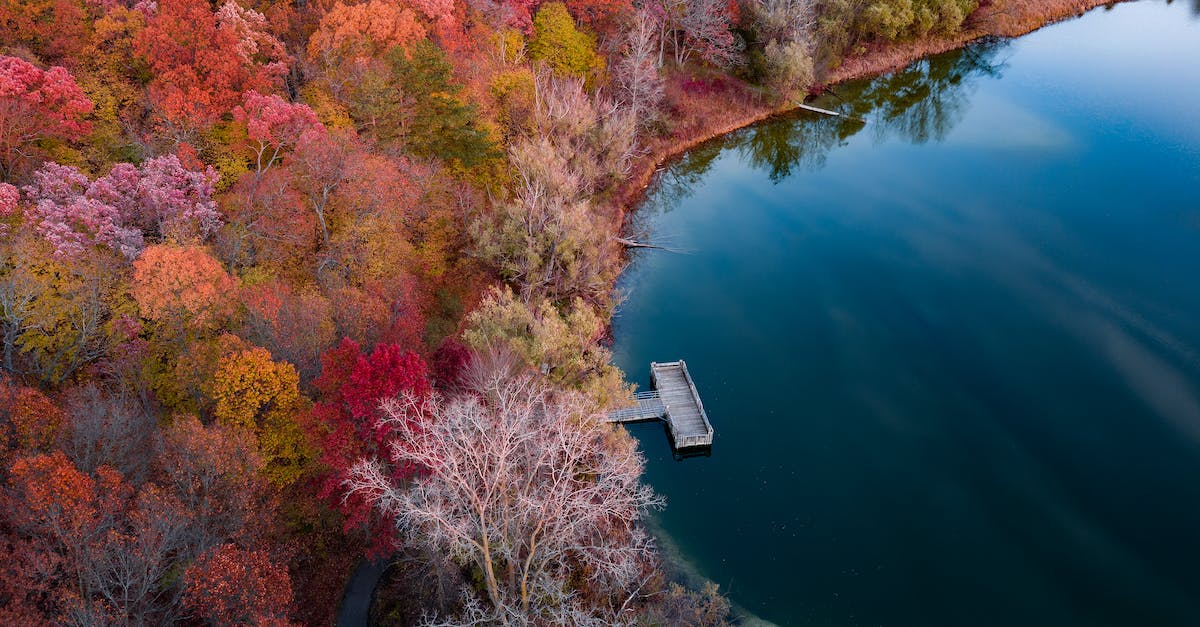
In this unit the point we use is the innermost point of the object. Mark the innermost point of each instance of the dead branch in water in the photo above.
(628, 243)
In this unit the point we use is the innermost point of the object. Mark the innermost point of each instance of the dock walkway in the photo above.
(674, 400)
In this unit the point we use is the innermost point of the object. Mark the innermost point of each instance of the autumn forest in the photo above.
(290, 283)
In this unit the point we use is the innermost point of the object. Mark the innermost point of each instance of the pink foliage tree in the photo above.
(71, 221)
(160, 198)
(255, 43)
(35, 105)
(706, 32)
(10, 196)
(164, 198)
(274, 125)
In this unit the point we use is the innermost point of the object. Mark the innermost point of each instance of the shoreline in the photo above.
(989, 20)
(875, 62)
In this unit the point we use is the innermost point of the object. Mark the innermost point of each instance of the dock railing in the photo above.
(699, 404)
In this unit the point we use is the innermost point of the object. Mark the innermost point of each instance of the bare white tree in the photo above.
(636, 71)
(590, 133)
(785, 20)
(524, 483)
(548, 239)
(694, 28)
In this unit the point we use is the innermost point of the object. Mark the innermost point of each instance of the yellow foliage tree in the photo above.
(560, 45)
(253, 392)
(181, 380)
(55, 313)
(562, 345)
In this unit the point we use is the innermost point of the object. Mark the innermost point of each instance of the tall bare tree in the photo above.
(523, 483)
(636, 72)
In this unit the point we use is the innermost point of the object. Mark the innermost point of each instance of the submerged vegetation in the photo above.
(289, 283)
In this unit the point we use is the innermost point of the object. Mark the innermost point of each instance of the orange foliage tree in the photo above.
(95, 548)
(29, 422)
(203, 61)
(231, 586)
(365, 31)
(56, 29)
(183, 288)
(185, 295)
(59, 519)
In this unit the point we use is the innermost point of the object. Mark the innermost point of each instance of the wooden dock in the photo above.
(649, 407)
(673, 400)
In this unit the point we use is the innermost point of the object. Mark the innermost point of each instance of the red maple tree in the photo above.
(345, 426)
(35, 105)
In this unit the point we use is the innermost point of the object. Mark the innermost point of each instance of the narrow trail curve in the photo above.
(356, 600)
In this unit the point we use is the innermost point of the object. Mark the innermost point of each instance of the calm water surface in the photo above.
(953, 354)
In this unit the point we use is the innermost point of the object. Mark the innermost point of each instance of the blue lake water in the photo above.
(952, 355)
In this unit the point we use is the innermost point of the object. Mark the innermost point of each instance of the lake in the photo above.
(952, 354)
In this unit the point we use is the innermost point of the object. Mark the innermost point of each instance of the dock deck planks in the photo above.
(674, 400)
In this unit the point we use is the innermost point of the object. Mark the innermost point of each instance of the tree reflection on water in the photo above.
(920, 103)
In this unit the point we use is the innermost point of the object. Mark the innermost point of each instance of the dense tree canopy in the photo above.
(364, 31)
(202, 61)
(57, 29)
(233, 234)
(412, 103)
(232, 586)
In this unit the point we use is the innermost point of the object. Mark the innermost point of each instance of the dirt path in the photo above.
(356, 600)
